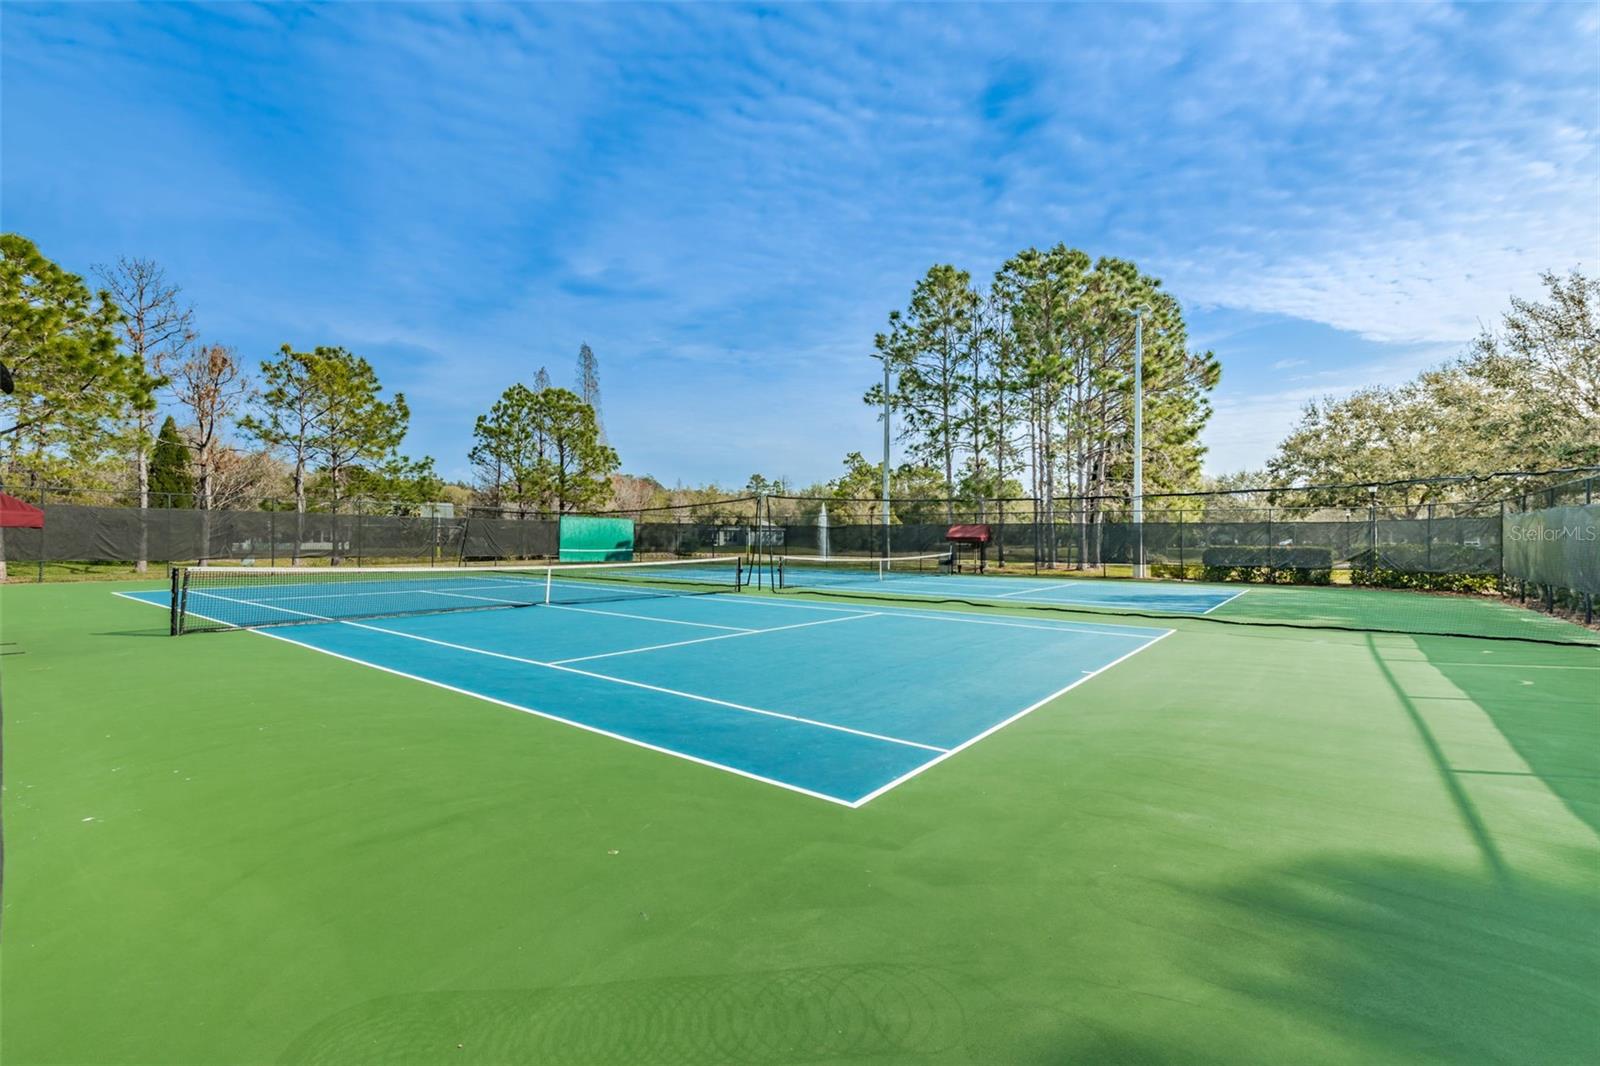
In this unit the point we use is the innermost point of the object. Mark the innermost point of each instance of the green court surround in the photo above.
(1246, 845)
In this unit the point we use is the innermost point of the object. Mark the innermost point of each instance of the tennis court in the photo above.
(930, 579)
(842, 703)
(924, 576)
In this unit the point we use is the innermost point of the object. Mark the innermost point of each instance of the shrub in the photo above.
(1446, 568)
(1422, 580)
(1444, 559)
(1262, 565)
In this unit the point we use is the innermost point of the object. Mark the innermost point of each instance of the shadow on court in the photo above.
(1548, 710)
(1416, 963)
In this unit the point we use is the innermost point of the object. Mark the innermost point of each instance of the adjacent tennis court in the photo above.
(926, 576)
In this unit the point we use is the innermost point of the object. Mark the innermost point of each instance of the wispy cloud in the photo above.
(725, 201)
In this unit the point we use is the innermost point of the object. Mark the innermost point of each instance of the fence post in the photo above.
(1272, 570)
(1427, 551)
(1549, 589)
(1000, 543)
(272, 535)
(1588, 597)
(1372, 526)
(1502, 562)
(1183, 562)
(1522, 582)
(1038, 539)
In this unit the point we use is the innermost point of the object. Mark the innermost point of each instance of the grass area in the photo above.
(1246, 845)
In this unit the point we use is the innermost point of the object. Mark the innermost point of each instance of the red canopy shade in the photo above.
(14, 514)
(968, 534)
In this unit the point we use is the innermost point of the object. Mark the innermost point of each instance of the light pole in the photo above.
(1138, 441)
(886, 455)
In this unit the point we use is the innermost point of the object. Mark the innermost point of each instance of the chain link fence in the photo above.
(1541, 541)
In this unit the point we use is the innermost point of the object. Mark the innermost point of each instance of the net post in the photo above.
(549, 582)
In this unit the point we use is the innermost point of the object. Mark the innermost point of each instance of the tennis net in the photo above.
(243, 597)
(816, 571)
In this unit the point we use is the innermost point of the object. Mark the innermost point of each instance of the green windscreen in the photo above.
(592, 539)
(1556, 546)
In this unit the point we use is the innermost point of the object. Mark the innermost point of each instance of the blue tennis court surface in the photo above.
(842, 702)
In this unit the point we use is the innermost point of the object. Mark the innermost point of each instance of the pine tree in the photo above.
(589, 386)
(542, 450)
(171, 480)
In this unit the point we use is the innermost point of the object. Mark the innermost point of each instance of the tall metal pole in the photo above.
(1138, 442)
(886, 455)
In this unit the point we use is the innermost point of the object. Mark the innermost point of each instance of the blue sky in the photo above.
(725, 202)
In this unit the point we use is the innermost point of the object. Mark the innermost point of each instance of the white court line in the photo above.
(607, 677)
(652, 688)
(653, 591)
(703, 640)
(1132, 632)
(965, 744)
(293, 591)
(1225, 602)
(947, 592)
(1131, 602)
(635, 741)
(352, 590)
(1024, 592)
(779, 600)
(397, 592)
(951, 592)
(645, 617)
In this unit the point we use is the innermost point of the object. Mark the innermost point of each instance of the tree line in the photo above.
(1524, 395)
(93, 369)
(1019, 388)
(1033, 376)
